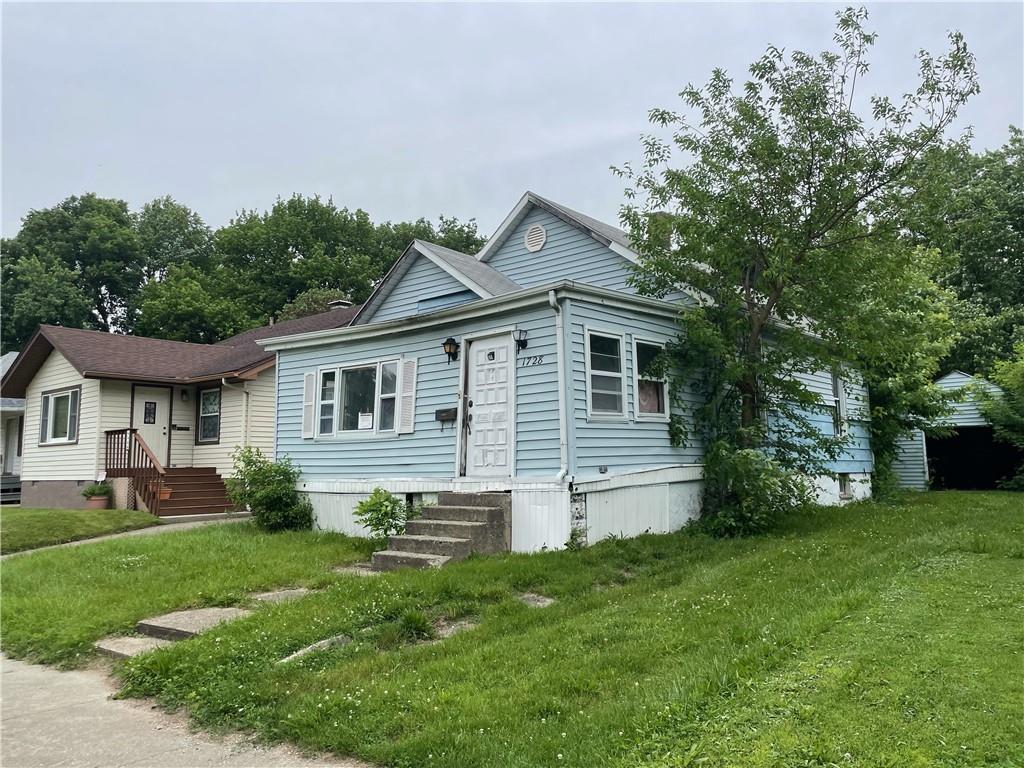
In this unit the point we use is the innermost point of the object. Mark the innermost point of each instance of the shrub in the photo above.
(746, 491)
(384, 514)
(96, 489)
(267, 489)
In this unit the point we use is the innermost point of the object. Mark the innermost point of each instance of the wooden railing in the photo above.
(129, 456)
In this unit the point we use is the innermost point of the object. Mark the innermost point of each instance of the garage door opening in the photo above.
(971, 459)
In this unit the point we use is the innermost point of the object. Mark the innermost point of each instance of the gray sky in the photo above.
(406, 110)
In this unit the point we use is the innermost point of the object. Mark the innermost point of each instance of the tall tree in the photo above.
(95, 238)
(310, 302)
(971, 207)
(784, 214)
(171, 233)
(39, 289)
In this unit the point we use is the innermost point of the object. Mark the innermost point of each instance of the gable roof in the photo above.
(486, 282)
(9, 403)
(97, 354)
(606, 234)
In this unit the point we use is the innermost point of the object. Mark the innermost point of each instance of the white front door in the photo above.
(151, 415)
(12, 462)
(489, 413)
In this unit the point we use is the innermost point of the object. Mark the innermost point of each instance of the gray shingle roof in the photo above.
(607, 231)
(488, 278)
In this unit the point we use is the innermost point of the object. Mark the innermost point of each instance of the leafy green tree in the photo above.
(40, 289)
(311, 302)
(191, 305)
(971, 207)
(1005, 411)
(171, 233)
(785, 215)
(95, 238)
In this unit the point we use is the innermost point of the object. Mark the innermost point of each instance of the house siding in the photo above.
(239, 425)
(568, 254)
(966, 412)
(183, 416)
(61, 462)
(626, 444)
(423, 281)
(429, 451)
(911, 463)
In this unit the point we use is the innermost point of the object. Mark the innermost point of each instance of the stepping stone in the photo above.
(280, 595)
(182, 624)
(126, 647)
(330, 642)
(359, 569)
(446, 628)
(533, 600)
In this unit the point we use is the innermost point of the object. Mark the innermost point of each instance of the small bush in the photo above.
(384, 513)
(96, 489)
(746, 492)
(267, 489)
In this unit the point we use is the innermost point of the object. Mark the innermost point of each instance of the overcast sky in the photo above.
(406, 110)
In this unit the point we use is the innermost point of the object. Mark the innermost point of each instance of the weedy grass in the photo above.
(56, 603)
(873, 635)
(24, 528)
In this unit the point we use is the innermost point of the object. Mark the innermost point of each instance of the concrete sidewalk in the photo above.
(50, 718)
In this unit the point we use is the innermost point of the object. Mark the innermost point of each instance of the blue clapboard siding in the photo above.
(568, 254)
(628, 444)
(429, 451)
(422, 282)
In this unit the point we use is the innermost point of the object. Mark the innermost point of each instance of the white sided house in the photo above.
(512, 380)
(165, 414)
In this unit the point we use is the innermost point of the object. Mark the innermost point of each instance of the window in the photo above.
(326, 401)
(838, 409)
(363, 398)
(209, 416)
(651, 389)
(845, 490)
(58, 417)
(605, 376)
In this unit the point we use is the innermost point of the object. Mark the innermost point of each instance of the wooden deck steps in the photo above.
(461, 523)
(194, 491)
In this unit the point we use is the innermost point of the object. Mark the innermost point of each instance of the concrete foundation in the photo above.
(53, 494)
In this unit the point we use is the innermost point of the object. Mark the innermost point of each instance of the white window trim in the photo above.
(621, 337)
(320, 402)
(637, 415)
(50, 406)
(839, 402)
(200, 440)
(357, 434)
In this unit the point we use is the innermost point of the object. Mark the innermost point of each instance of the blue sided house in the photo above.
(507, 385)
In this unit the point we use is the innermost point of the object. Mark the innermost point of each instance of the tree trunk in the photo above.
(748, 410)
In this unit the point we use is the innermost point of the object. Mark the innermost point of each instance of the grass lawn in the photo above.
(27, 528)
(874, 635)
(56, 603)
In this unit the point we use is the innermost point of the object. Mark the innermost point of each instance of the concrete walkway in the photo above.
(153, 530)
(50, 718)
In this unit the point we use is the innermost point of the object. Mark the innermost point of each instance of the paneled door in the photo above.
(489, 413)
(151, 415)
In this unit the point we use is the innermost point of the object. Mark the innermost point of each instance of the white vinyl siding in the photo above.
(239, 426)
(67, 461)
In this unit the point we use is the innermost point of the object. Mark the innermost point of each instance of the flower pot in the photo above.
(165, 494)
(97, 502)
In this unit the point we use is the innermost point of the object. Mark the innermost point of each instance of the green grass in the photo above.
(58, 602)
(27, 528)
(875, 635)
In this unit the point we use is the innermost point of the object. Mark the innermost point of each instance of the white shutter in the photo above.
(407, 398)
(309, 405)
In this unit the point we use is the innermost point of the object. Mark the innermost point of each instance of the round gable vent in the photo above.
(534, 238)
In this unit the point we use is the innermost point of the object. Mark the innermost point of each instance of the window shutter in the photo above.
(73, 416)
(44, 418)
(407, 395)
(309, 405)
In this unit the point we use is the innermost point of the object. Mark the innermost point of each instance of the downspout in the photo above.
(563, 441)
(245, 407)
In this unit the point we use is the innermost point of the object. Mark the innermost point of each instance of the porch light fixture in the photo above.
(451, 348)
(519, 335)
(184, 395)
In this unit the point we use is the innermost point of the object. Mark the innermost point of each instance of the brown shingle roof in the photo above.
(96, 354)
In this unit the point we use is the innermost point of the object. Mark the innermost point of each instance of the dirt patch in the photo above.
(533, 600)
(445, 628)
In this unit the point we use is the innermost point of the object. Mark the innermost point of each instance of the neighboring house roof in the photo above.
(615, 238)
(486, 282)
(96, 354)
(9, 403)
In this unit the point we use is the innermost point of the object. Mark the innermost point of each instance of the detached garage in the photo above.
(970, 458)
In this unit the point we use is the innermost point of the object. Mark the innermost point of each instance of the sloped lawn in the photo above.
(57, 603)
(24, 528)
(875, 635)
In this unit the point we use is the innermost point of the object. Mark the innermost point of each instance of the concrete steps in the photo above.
(462, 523)
(180, 625)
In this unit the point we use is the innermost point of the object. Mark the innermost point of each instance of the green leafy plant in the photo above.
(97, 489)
(268, 490)
(385, 514)
(1006, 410)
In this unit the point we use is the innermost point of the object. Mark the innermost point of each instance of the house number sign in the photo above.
(526, 362)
